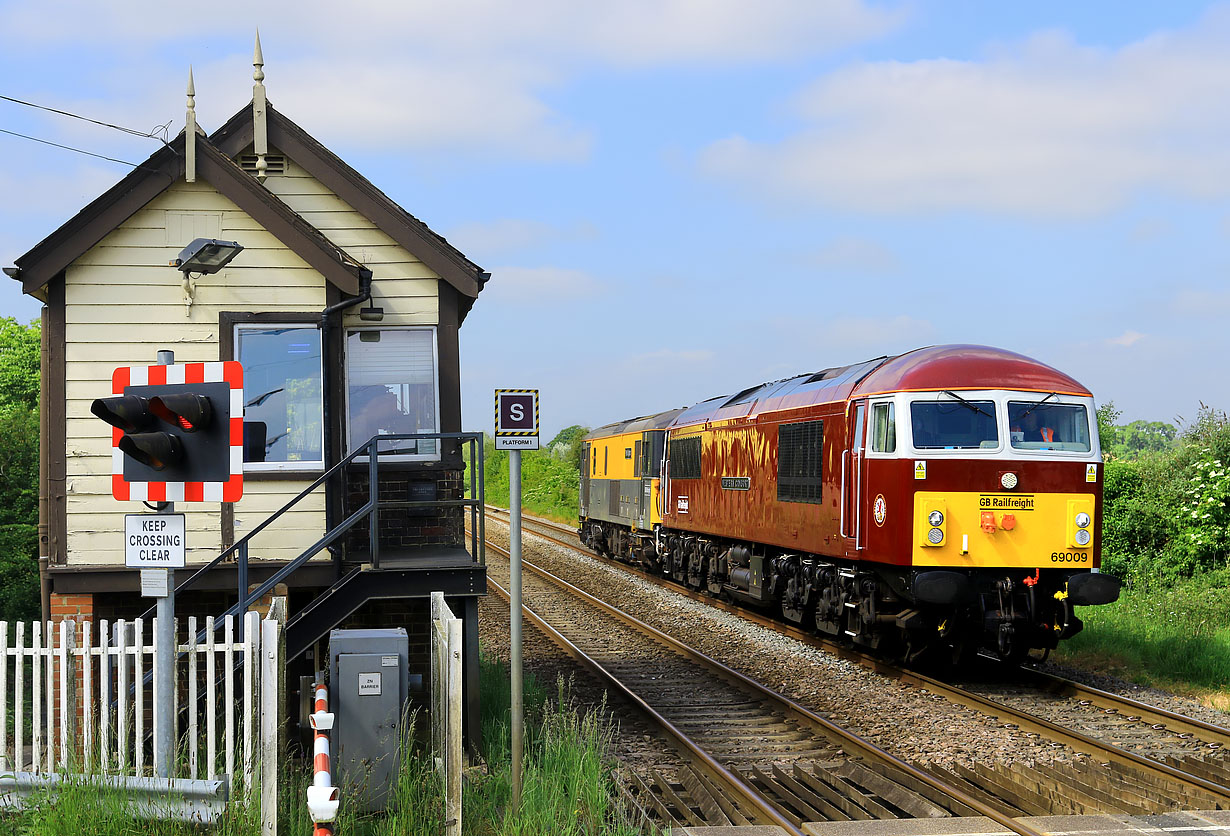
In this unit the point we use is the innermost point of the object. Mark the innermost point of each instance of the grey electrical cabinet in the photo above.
(367, 692)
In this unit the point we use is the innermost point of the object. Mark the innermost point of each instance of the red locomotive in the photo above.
(943, 500)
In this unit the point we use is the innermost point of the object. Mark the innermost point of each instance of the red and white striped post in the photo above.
(322, 799)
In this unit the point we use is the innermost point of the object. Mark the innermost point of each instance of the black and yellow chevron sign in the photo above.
(516, 414)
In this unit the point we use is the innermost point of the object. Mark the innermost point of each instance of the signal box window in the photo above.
(391, 389)
(883, 428)
(685, 458)
(283, 425)
(956, 424)
(1048, 426)
(800, 449)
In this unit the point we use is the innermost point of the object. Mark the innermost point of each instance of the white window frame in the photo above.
(1000, 397)
(295, 466)
(872, 403)
(435, 364)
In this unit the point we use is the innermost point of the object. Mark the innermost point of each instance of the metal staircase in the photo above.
(364, 574)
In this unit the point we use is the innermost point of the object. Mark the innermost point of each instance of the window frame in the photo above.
(893, 408)
(345, 388)
(232, 324)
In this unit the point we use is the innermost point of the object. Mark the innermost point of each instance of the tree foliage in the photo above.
(1166, 510)
(19, 440)
(550, 477)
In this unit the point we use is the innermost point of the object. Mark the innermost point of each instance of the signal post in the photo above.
(516, 429)
(177, 436)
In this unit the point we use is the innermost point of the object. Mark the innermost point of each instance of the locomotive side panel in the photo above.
(737, 494)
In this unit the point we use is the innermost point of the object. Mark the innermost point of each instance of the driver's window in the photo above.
(883, 428)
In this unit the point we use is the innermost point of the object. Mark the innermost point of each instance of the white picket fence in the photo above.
(74, 698)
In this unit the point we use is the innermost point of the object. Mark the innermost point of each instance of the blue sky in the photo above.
(681, 198)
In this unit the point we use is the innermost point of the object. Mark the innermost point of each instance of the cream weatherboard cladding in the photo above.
(406, 288)
(123, 303)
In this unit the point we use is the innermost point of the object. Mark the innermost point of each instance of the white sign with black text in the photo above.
(154, 541)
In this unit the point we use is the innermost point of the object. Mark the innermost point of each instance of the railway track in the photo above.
(1143, 758)
(751, 756)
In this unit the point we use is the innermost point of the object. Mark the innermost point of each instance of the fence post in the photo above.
(446, 646)
(4, 690)
(272, 671)
(452, 785)
(68, 692)
(439, 671)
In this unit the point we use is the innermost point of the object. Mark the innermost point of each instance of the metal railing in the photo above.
(370, 510)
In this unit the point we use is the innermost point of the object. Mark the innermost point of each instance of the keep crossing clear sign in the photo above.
(516, 419)
(154, 541)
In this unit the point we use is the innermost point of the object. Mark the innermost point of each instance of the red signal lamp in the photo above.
(188, 412)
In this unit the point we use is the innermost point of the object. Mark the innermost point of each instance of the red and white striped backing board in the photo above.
(228, 371)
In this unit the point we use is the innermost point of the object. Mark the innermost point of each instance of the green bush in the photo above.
(549, 477)
(1165, 512)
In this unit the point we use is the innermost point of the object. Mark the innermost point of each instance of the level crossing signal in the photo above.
(177, 432)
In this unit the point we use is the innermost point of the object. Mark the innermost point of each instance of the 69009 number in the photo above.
(1068, 557)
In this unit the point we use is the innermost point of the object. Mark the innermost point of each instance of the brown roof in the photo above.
(145, 182)
(351, 186)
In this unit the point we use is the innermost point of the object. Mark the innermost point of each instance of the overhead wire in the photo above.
(69, 148)
(159, 132)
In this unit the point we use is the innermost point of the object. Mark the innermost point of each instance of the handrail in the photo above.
(370, 449)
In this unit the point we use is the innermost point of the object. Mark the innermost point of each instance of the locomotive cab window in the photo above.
(953, 423)
(651, 448)
(883, 428)
(1039, 425)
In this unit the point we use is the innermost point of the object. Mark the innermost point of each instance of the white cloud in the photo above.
(540, 285)
(1045, 126)
(854, 255)
(470, 75)
(512, 234)
(1201, 303)
(1126, 339)
(628, 33)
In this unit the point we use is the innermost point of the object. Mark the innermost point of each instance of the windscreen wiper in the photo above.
(969, 405)
(1038, 404)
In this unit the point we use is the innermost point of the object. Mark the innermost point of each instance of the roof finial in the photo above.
(260, 132)
(190, 132)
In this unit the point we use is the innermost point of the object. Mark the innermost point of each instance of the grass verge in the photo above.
(568, 786)
(1175, 637)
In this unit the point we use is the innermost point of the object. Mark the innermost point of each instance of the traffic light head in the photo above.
(157, 451)
(128, 412)
(188, 412)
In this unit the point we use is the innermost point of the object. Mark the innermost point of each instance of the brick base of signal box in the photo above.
(75, 606)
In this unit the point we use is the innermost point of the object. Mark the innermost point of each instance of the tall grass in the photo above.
(81, 805)
(567, 785)
(1177, 637)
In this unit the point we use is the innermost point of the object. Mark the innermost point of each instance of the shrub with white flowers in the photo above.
(1204, 514)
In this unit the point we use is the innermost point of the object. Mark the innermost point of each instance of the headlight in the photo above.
(936, 519)
(935, 535)
(1082, 520)
(1082, 537)
(1008, 480)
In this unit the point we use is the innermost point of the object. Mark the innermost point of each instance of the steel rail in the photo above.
(868, 749)
(734, 785)
(1216, 736)
(1075, 740)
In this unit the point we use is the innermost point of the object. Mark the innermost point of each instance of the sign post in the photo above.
(516, 429)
